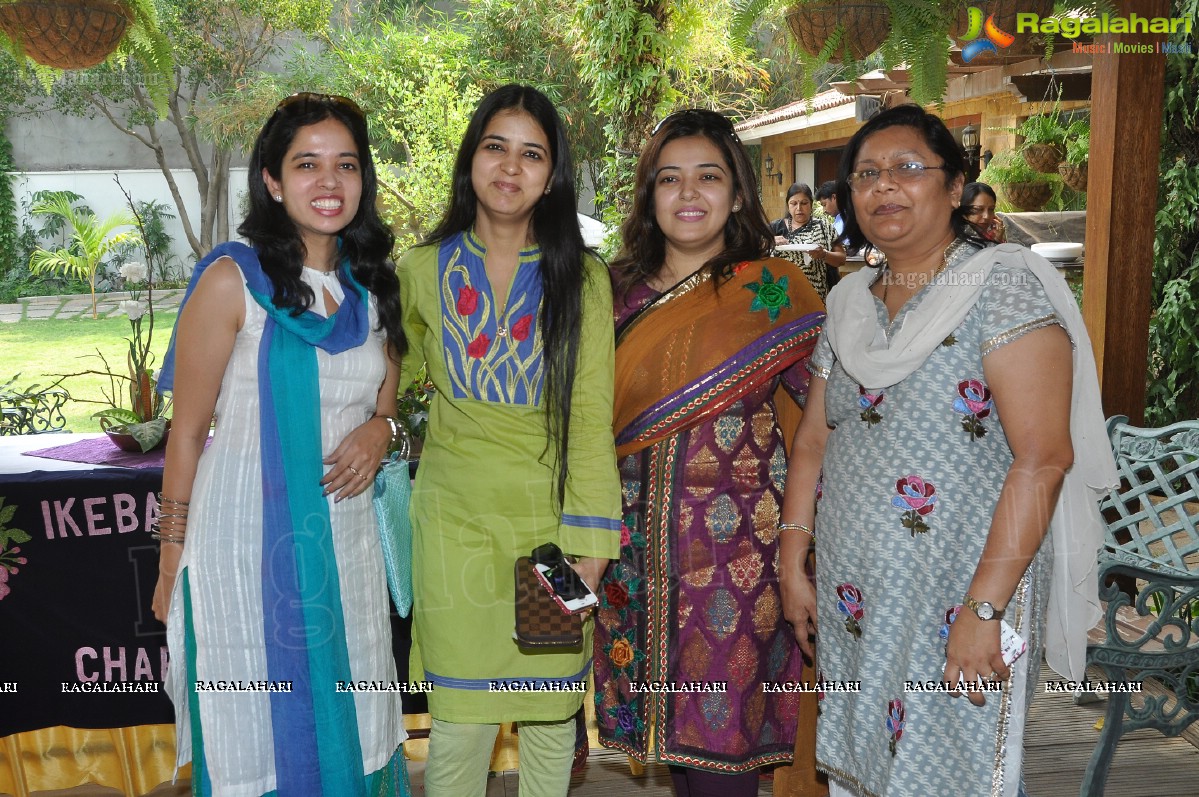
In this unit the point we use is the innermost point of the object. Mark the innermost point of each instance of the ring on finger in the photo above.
(354, 470)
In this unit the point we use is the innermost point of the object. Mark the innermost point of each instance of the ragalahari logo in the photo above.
(982, 37)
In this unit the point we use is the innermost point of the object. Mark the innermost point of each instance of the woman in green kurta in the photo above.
(514, 322)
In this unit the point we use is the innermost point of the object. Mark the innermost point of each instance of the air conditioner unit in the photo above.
(865, 107)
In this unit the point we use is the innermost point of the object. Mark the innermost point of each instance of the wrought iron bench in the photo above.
(1149, 581)
(33, 410)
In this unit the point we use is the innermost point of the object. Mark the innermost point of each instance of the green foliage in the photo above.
(93, 240)
(1172, 391)
(1078, 141)
(919, 37)
(419, 86)
(10, 233)
(1009, 167)
(143, 44)
(645, 57)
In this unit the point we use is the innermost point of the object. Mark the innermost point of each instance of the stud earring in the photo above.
(278, 197)
(736, 207)
(546, 192)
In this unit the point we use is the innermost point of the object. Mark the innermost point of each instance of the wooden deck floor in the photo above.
(1059, 738)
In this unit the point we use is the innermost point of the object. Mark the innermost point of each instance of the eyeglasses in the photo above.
(699, 116)
(903, 173)
(309, 98)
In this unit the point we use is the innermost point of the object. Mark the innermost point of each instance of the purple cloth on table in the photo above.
(101, 451)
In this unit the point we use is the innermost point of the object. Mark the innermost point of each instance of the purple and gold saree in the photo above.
(690, 624)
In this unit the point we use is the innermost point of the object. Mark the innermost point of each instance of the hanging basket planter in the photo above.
(864, 27)
(1044, 158)
(65, 34)
(1027, 196)
(1074, 175)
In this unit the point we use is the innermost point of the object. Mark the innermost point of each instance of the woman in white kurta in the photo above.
(272, 582)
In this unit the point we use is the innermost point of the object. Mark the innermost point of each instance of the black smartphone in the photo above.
(564, 584)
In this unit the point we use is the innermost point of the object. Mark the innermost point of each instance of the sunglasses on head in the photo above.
(698, 116)
(308, 98)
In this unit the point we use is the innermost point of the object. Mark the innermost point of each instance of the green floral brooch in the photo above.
(769, 295)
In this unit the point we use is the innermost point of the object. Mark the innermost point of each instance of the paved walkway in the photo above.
(39, 308)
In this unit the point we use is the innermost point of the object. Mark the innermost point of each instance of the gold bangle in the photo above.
(797, 527)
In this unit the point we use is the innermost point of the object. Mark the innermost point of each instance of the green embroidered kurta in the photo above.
(484, 490)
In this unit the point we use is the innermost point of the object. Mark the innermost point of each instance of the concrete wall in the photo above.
(102, 195)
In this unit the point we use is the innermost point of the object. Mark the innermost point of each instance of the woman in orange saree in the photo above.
(713, 339)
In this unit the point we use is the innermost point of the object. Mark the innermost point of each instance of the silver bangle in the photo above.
(395, 428)
(177, 539)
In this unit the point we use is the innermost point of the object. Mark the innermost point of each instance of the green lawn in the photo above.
(40, 351)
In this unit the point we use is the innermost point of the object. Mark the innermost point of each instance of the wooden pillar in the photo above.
(1126, 124)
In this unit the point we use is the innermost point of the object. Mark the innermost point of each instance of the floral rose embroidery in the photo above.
(627, 721)
(478, 347)
(895, 722)
(869, 402)
(917, 498)
(520, 330)
(951, 614)
(626, 535)
(621, 653)
(850, 604)
(769, 295)
(975, 403)
(617, 595)
(468, 300)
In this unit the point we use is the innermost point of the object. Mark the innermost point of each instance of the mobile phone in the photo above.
(566, 587)
(1011, 645)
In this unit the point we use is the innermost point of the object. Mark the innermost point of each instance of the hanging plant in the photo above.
(77, 34)
(1019, 185)
(1078, 150)
(839, 32)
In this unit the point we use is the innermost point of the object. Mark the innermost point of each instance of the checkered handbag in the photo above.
(540, 621)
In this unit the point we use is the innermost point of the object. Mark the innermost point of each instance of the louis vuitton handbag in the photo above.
(540, 621)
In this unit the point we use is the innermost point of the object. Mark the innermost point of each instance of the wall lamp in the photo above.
(770, 172)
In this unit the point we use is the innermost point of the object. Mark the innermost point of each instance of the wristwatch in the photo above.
(984, 609)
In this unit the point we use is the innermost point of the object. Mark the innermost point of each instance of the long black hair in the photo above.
(747, 233)
(556, 230)
(938, 138)
(366, 241)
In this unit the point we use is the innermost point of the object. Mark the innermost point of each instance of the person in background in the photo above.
(270, 568)
(978, 206)
(513, 318)
(712, 341)
(954, 410)
(826, 195)
(801, 226)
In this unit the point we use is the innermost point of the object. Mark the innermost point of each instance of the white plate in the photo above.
(1058, 251)
(797, 248)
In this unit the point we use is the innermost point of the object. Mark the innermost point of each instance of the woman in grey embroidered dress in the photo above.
(944, 393)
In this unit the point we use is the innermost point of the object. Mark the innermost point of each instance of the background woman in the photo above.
(944, 392)
(978, 207)
(710, 334)
(800, 226)
(513, 319)
(293, 343)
